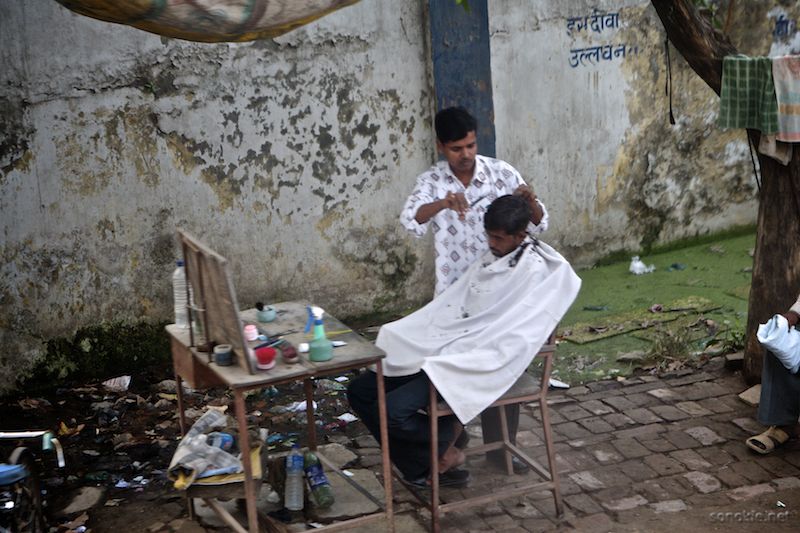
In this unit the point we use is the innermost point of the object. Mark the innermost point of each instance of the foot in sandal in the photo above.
(767, 441)
(451, 458)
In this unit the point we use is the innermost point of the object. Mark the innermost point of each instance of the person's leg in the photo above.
(409, 431)
(778, 407)
(362, 393)
(780, 395)
(403, 406)
(493, 431)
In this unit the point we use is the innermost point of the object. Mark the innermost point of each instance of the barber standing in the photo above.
(452, 197)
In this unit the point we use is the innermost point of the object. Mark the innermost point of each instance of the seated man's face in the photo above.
(502, 243)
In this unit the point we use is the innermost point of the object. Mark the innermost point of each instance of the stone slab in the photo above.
(691, 459)
(750, 492)
(693, 408)
(338, 454)
(83, 500)
(703, 482)
(749, 425)
(350, 503)
(669, 506)
(626, 504)
(586, 480)
(752, 395)
(704, 435)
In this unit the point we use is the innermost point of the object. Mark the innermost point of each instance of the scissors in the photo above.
(477, 200)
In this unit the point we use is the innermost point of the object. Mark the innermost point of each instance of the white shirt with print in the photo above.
(458, 243)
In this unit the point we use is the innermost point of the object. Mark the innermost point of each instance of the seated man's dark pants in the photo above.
(493, 431)
(409, 430)
(780, 394)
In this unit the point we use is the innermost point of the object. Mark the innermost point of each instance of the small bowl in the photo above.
(267, 314)
(265, 357)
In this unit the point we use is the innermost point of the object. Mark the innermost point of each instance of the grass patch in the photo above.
(716, 271)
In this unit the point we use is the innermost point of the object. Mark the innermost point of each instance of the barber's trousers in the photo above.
(780, 394)
(493, 430)
(409, 430)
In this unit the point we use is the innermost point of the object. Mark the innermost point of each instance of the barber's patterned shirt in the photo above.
(458, 243)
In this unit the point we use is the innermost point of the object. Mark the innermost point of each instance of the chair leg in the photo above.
(433, 417)
(506, 439)
(551, 456)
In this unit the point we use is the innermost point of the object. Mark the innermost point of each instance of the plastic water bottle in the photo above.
(179, 293)
(318, 481)
(293, 497)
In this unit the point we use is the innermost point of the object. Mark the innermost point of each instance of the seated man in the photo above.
(779, 406)
(472, 342)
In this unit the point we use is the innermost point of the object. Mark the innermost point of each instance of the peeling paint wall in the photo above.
(291, 157)
(594, 138)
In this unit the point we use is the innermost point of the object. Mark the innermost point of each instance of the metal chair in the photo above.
(525, 390)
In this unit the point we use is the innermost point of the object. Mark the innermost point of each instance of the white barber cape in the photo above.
(477, 337)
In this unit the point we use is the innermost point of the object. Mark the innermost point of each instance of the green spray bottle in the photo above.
(320, 348)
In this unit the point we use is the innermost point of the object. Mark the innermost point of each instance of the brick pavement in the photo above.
(632, 451)
(645, 454)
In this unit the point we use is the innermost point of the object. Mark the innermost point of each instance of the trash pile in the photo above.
(120, 435)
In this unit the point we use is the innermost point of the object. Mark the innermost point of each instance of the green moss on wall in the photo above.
(100, 352)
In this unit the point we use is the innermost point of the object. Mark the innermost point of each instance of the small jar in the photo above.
(223, 354)
(267, 314)
(250, 333)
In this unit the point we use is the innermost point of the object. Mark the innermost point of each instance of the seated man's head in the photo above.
(455, 137)
(505, 223)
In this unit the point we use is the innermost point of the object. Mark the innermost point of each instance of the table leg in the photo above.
(387, 466)
(244, 446)
(179, 395)
(308, 385)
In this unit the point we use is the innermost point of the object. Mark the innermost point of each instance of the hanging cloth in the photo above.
(786, 73)
(747, 97)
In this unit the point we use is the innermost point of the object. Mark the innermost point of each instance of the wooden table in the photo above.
(194, 368)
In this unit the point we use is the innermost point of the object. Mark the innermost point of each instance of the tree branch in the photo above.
(698, 42)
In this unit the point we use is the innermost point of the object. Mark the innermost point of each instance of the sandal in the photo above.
(769, 440)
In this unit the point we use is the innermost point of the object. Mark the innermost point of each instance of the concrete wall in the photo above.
(594, 138)
(290, 157)
(293, 157)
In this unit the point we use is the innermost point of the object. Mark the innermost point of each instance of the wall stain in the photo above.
(105, 228)
(16, 134)
(383, 253)
(668, 179)
(285, 146)
(183, 154)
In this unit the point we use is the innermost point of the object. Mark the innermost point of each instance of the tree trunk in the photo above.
(776, 263)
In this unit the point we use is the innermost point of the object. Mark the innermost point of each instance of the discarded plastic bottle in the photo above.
(293, 497)
(318, 481)
(179, 293)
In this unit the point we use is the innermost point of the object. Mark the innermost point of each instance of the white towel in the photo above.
(782, 341)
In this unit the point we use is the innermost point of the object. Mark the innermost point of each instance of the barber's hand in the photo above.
(792, 318)
(527, 194)
(457, 202)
